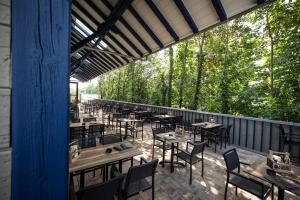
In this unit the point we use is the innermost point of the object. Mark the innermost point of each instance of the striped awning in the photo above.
(127, 30)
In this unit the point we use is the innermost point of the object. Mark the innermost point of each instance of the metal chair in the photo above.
(97, 130)
(77, 132)
(159, 142)
(191, 157)
(137, 127)
(108, 190)
(136, 178)
(286, 140)
(234, 177)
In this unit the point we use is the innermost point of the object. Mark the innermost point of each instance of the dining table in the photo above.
(207, 126)
(289, 180)
(127, 121)
(93, 157)
(173, 139)
(163, 118)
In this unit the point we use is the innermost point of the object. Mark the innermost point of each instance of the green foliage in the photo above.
(251, 67)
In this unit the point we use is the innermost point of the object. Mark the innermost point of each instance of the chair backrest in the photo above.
(96, 129)
(87, 142)
(107, 190)
(198, 148)
(199, 120)
(178, 119)
(231, 160)
(228, 128)
(77, 132)
(139, 172)
(156, 131)
(283, 138)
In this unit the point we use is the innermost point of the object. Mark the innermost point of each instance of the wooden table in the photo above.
(162, 118)
(127, 121)
(96, 156)
(259, 169)
(206, 126)
(178, 139)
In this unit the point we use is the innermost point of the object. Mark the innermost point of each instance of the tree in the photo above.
(171, 62)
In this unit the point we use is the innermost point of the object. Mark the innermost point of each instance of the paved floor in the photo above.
(175, 186)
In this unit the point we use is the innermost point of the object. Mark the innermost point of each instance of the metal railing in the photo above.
(256, 134)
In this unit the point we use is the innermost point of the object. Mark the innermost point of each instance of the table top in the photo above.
(164, 116)
(174, 138)
(128, 120)
(259, 170)
(87, 124)
(96, 156)
(207, 125)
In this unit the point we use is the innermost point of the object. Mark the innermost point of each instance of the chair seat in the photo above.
(186, 157)
(249, 186)
(161, 146)
(138, 186)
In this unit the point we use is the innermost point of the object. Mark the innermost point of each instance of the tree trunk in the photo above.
(170, 77)
(163, 90)
(182, 75)
(118, 87)
(199, 72)
(224, 82)
(271, 66)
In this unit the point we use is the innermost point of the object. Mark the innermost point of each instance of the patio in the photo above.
(176, 185)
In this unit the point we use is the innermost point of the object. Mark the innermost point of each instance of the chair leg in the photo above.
(152, 151)
(191, 174)
(202, 168)
(226, 187)
(236, 190)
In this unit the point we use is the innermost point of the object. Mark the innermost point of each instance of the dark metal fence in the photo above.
(256, 134)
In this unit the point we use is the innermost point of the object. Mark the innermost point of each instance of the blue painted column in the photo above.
(40, 97)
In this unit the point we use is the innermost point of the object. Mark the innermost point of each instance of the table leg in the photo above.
(172, 157)
(280, 193)
(81, 178)
(126, 130)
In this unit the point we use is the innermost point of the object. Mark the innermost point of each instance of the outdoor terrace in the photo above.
(176, 185)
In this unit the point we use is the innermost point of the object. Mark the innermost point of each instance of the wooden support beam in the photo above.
(129, 28)
(185, 13)
(219, 9)
(107, 25)
(162, 19)
(40, 99)
(145, 26)
(114, 29)
(104, 40)
(258, 2)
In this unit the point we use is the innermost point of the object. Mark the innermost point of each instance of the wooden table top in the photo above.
(259, 170)
(207, 125)
(178, 138)
(87, 124)
(96, 156)
(164, 116)
(129, 120)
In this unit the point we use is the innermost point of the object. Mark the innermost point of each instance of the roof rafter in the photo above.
(104, 40)
(219, 9)
(185, 13)
(130, 29)
(107, 25)
(162, 19)
(145, 26)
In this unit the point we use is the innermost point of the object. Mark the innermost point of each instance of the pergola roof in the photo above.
(126, 30)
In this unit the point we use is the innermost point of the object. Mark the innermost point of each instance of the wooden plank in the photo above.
(5, 174)
(5, 36)
(4, 118)
(5, 67)
(40, 75)
(5, 2)
(4, 14)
